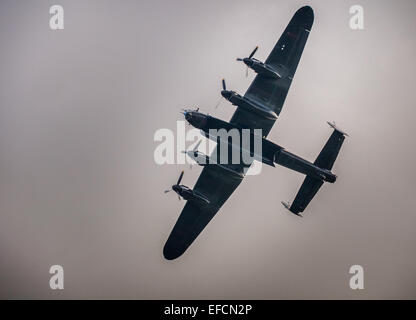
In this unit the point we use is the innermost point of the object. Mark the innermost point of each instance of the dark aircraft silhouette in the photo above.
(186, 193)
(257, 109)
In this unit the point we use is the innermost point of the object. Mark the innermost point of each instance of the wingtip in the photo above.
(334, 126)
(171, 253)
(289, 207)
(306, 15)
(306, 10)
(285, 204)
(173, 248)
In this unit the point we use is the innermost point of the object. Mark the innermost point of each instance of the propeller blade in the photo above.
(179, 197)
(239, 59)
(224, 87)
(166, 191)
(197, 145)
(218, 103)
(180, 178)
(254, 51)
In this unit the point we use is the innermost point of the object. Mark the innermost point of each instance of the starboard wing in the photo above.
(215, 183)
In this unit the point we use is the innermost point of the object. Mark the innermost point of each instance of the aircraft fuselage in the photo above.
(270, 152)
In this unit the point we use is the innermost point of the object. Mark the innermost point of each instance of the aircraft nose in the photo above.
(188, 116)
(225, 94)
(247, 61)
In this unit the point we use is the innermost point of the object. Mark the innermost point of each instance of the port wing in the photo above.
(284, 58)
(307, 191)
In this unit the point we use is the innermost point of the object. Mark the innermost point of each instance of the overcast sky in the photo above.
(79, 186)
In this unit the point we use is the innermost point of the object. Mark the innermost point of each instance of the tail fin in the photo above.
(329, 153)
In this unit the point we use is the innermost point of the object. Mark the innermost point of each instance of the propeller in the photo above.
(194, 150)
(253, 52)
(177, 184)
(186, 152)
(249, 57)
(180, 178)
(218, 103)
(179, 181)
(224, 87)
(197, 145)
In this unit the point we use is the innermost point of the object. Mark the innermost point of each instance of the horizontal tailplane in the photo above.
(307, 191)
(329, 153)
(324, 162)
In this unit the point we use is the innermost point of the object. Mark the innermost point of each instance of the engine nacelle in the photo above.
(248, 105)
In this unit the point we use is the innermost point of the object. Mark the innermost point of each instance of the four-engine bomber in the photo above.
(252, 120)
